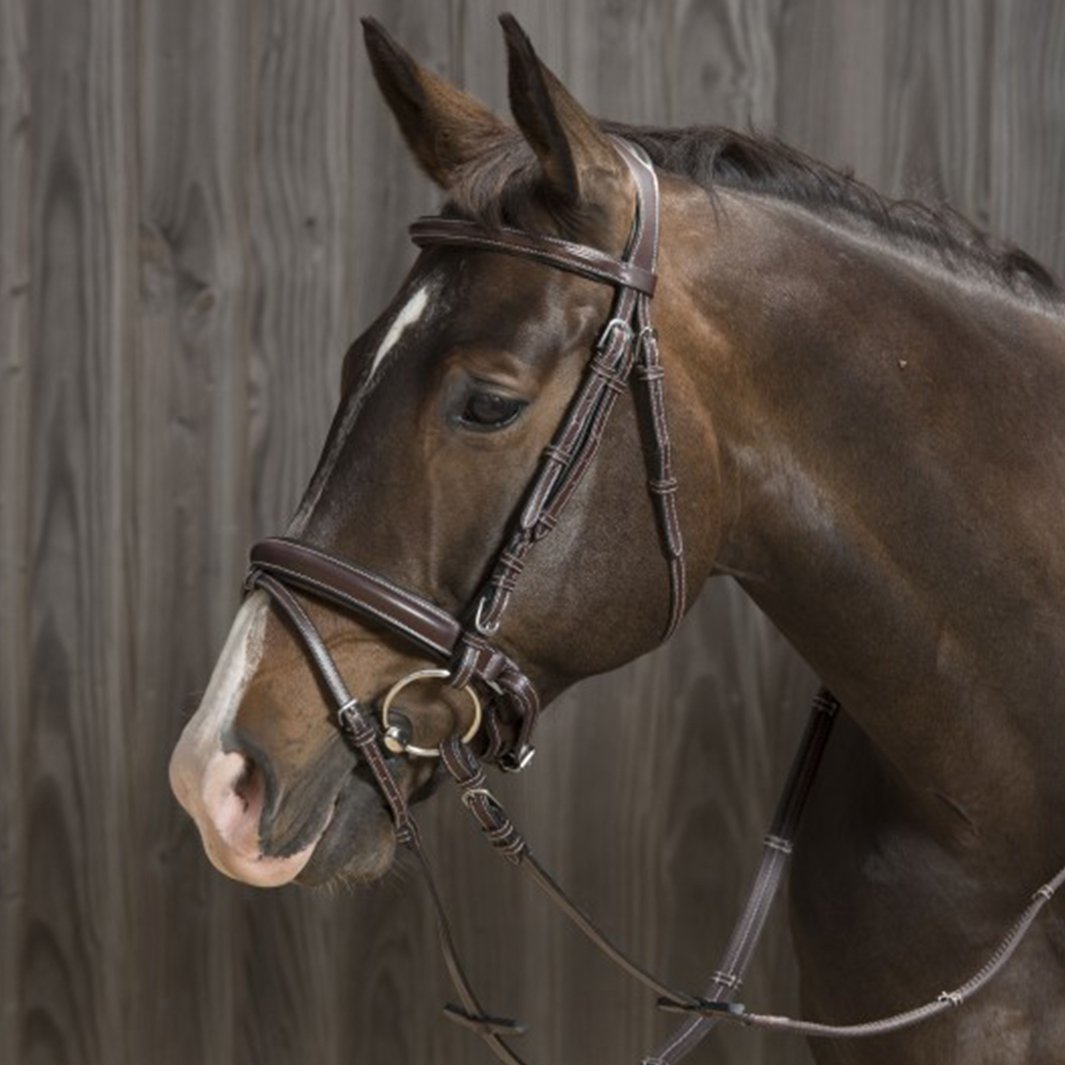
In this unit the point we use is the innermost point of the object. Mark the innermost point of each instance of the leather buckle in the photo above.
(485, 628)
(605, 336)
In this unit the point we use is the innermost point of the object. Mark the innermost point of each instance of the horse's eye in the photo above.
(490, 410)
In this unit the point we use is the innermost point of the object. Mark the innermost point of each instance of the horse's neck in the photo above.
(892, 459)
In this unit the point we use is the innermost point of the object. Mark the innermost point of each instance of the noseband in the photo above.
(464, 642)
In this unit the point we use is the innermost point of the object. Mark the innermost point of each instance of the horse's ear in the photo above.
(444, 126)
(574, 153)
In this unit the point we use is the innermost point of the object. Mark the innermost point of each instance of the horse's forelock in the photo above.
(504, 186)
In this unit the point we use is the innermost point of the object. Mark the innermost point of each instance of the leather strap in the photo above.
(776, 851)
(552, 251)
(357, 726)
(430, 627)
(353, 589)
(626, 337)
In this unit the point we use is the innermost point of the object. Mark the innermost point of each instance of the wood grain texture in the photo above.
(190, 477)
(200, 205)
(15, 185)
(74, 762)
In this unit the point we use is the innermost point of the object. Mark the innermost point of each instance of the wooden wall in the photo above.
(201, 202)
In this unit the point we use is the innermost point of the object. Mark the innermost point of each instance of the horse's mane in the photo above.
(502, 181)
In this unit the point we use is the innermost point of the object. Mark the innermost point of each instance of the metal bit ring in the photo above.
(391, 740)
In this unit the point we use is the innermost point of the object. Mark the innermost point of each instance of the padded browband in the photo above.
(576, 258)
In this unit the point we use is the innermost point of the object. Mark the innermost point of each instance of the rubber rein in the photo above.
(505, 704)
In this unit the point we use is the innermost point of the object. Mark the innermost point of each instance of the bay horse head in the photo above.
(862, 410)
(449, 403)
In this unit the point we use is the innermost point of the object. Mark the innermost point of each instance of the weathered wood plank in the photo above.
(74, 758)
(190, 510)
(305, 288)
(15, 709)
(1026, 90)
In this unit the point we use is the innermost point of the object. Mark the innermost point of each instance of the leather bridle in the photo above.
(500, 687)
(627, 344)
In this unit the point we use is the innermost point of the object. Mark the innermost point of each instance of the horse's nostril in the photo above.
(230, 800)
(248, 785)
(254, 781)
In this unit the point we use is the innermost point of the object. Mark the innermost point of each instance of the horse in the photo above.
(864, 430)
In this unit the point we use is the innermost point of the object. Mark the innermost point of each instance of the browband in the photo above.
(553, 251)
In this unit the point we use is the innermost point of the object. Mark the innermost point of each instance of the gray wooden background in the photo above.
(201, 202)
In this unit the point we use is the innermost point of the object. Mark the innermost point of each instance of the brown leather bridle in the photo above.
(627, 344)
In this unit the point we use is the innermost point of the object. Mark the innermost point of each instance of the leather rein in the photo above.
(505, 701)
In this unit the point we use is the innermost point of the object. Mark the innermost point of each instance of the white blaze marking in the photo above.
(205, 777)
(203, 734)
(408, 314)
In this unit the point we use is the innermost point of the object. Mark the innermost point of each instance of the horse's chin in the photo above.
(357, 847)
(359, 843)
